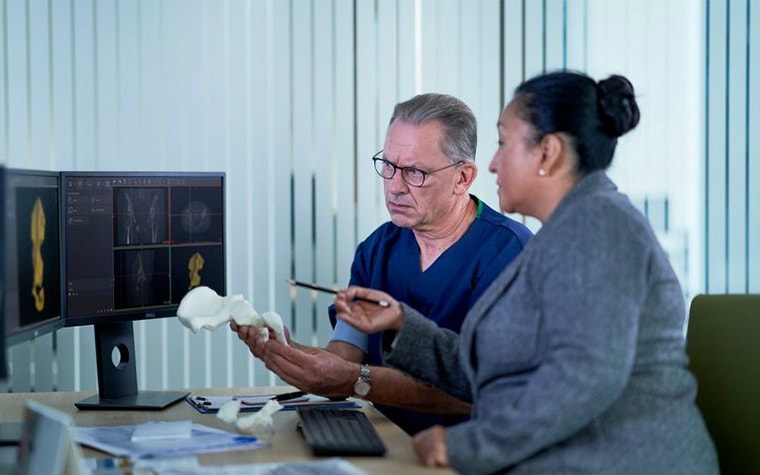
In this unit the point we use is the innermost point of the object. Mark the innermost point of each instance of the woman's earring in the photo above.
(541, 172)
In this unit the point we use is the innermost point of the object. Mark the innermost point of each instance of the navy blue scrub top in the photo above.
(389, 259)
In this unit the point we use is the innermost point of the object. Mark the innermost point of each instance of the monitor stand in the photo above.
(117, 380)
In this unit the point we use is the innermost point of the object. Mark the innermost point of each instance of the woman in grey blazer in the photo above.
(574, 356)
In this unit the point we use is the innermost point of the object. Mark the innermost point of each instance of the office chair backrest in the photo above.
(723, 344)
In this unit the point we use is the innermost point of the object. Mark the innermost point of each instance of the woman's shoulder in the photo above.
(605, 223)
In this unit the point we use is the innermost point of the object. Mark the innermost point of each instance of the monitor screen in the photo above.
(134, 243)
(32, 254)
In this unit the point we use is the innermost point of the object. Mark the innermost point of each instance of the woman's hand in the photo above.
(366, 316)
(430, 447)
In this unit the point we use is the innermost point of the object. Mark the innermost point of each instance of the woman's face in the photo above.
(515, 163)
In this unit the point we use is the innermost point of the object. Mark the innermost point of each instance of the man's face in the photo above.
(418, 146)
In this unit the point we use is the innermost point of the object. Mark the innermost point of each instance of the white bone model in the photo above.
(258, 423)
(202, 307)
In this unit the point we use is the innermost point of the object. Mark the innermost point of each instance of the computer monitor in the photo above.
(32, 254)
(134, 243)
(30, 263)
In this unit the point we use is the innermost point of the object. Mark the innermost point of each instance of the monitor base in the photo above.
(143, 400)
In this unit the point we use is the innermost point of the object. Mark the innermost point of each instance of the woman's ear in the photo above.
(553, 152)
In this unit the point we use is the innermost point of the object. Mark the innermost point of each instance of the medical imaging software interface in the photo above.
(137, 244)
(32, 254)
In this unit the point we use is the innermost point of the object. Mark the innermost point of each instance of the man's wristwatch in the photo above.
(364, 383)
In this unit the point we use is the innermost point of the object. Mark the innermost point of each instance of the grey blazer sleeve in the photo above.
(428, 353)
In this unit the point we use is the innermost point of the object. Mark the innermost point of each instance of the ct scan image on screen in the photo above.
(32, 254)
(140, 216)
(37, 247)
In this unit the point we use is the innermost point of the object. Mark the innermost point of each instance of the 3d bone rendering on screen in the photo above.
(202, 307)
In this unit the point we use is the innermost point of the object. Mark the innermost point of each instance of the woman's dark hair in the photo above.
(594, 115)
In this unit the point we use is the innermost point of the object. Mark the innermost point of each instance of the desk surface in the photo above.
(287, 444)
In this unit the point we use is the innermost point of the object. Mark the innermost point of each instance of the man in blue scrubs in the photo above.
(440, 250)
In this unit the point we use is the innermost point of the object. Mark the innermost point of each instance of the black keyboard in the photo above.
(330, 431)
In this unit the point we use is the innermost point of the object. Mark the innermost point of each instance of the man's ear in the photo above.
(468, 171)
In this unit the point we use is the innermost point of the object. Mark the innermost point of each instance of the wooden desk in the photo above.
(287, 444)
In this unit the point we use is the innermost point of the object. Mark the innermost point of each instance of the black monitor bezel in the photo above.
(21, 335)
(119, 316)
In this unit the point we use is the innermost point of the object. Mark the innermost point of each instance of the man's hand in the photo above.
(310, 369)
(251, 337)
(430, 447)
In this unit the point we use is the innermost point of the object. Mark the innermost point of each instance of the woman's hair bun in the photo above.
(617, 105)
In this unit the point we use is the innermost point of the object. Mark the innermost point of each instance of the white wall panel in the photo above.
(39, 81)
(283, 156)
(255, 196)
(576, 38)
(554, 31)
(303, 165)
(484, 97)
(716, 136)
(753, 135)
(369, 122)
(345, 147)
(19, 139)
(736, 199)
(325, 162)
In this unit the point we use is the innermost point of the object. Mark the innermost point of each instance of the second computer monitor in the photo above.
(133, 245)
(31, 254)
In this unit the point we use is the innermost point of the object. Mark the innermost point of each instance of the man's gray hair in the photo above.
(460, 128)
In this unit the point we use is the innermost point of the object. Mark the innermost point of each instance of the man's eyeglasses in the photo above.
(412, 176)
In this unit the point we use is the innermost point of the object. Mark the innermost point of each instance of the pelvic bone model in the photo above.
(202, 307)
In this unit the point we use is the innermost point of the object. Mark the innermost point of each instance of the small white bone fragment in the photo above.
(202, 307)
(229, 411)
(260, 422)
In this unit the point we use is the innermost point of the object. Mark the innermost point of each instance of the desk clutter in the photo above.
(149, 442)
(254, 402)
(190, 465)
(50, 445)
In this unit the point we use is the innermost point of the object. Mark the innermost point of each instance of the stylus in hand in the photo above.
(382, 303)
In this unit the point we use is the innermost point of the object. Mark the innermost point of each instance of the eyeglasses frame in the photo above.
(378, 158)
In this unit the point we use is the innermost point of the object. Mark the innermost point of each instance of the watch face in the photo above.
(361, 388)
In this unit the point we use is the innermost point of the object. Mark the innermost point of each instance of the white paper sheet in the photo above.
(118, 441)
(332, 466)
(162, 430)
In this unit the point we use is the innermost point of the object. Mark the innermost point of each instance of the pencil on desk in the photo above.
(319, 288)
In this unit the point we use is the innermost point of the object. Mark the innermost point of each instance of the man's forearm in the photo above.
(391, 387)
(394, 388)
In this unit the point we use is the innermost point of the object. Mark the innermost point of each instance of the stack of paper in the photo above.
(163, 439)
